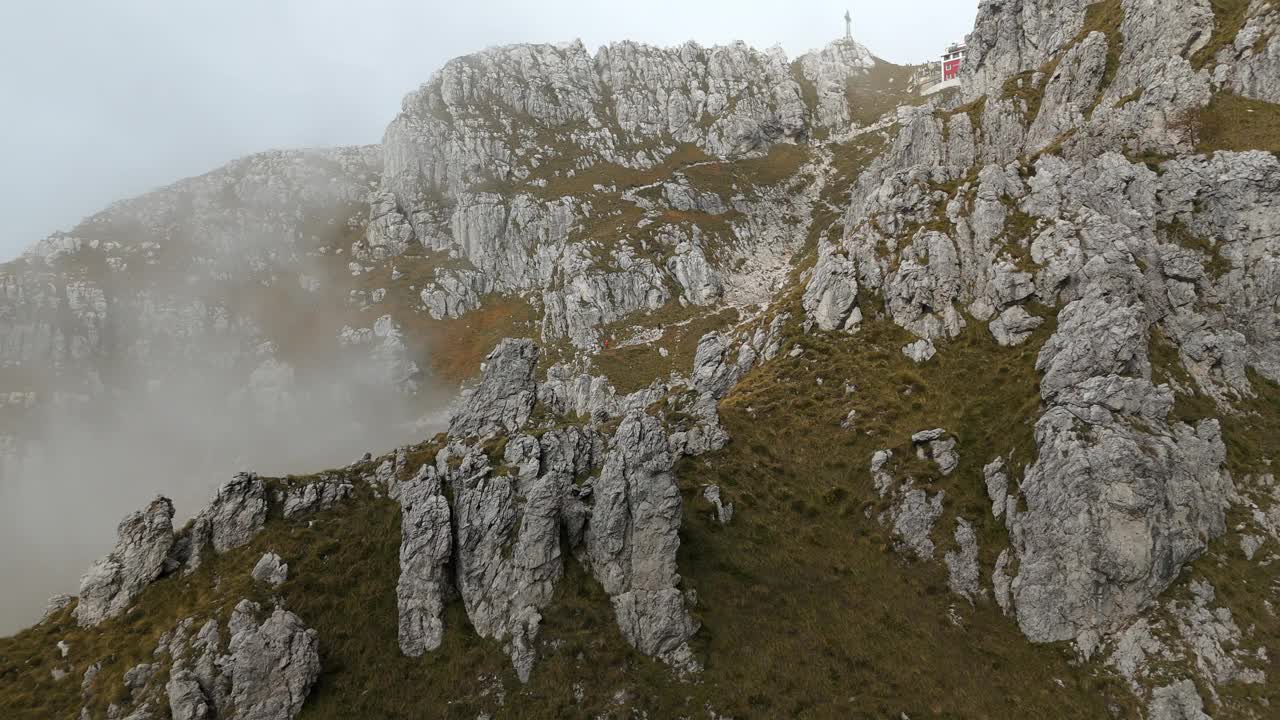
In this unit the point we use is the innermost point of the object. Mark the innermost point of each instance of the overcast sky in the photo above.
(106, 99)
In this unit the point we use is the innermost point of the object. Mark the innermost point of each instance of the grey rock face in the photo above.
(831, 297)
(1113, 513)
(1014, 326)
(920, 351)
(997, 480)
(1214, 639)
(498, 539)
(633, 537)
(425, 548)
(724, 512)
(1070, 92)
(507, 548)
(271, 569)
(914, 515)
(938, 446)
(750, 98)
(504, 399)
(1011, 37)
(1244, 67)
(713, 374)
(1096, 337)
(1120, 498)
(56, 604)
(264, 671)
(187, 700)
(913, 511)
(237, 513)
(143, 542)
(271, 665)
(1001, 583)
(1180, 701)
(962, 563)
(314, 497)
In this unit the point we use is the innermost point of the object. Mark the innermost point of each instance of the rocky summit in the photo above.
(782, 389)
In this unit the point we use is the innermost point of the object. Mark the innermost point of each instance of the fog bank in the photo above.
(84, 467)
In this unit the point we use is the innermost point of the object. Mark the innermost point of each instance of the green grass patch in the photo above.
(882, 89)
(637, 366)
(804, 602)
(1232, 122)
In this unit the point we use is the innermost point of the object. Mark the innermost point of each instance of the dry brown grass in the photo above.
(1232, 122)
(637, 366)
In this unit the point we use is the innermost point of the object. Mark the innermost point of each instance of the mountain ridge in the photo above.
(995, 367)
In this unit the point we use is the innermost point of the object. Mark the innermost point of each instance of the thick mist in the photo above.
(83, 467)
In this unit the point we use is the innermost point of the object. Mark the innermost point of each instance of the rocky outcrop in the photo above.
(143, 543)
(913, 510)
(271, 665)
(1113, 511)
(271, 569)
(236, 514)
(503, 400)
(831, 297)
(246, 668)
(962, 563)
(634, 535)
(626, 94)
(939, 446)
(1062, 210)
(723, 511)
(313, 497)
(1179, 701)
(425, 554)
(495, 517)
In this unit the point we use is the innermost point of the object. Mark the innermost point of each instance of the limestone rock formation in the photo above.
(143, 542)
(271, 569)
(425, 553)
(314, 496)
(1180, 701)
(723, 510)
(272, 665)
(236, 514)
(938, 446)
(634, 535)
(504, 398)
(245, 668)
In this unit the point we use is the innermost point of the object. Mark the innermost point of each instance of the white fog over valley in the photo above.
(106, 101)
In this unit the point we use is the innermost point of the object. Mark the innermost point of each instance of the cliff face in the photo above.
(984, 386)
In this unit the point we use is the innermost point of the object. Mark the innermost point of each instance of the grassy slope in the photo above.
(790, 626)
(787, 585)
(1232, 122)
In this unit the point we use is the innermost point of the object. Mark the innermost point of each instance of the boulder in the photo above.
(271, 570)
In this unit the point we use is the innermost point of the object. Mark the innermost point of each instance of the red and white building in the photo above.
(952, 60)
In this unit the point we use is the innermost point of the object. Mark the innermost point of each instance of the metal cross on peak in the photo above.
(848, 26)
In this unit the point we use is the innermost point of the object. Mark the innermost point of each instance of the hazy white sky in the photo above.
(106, 99)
